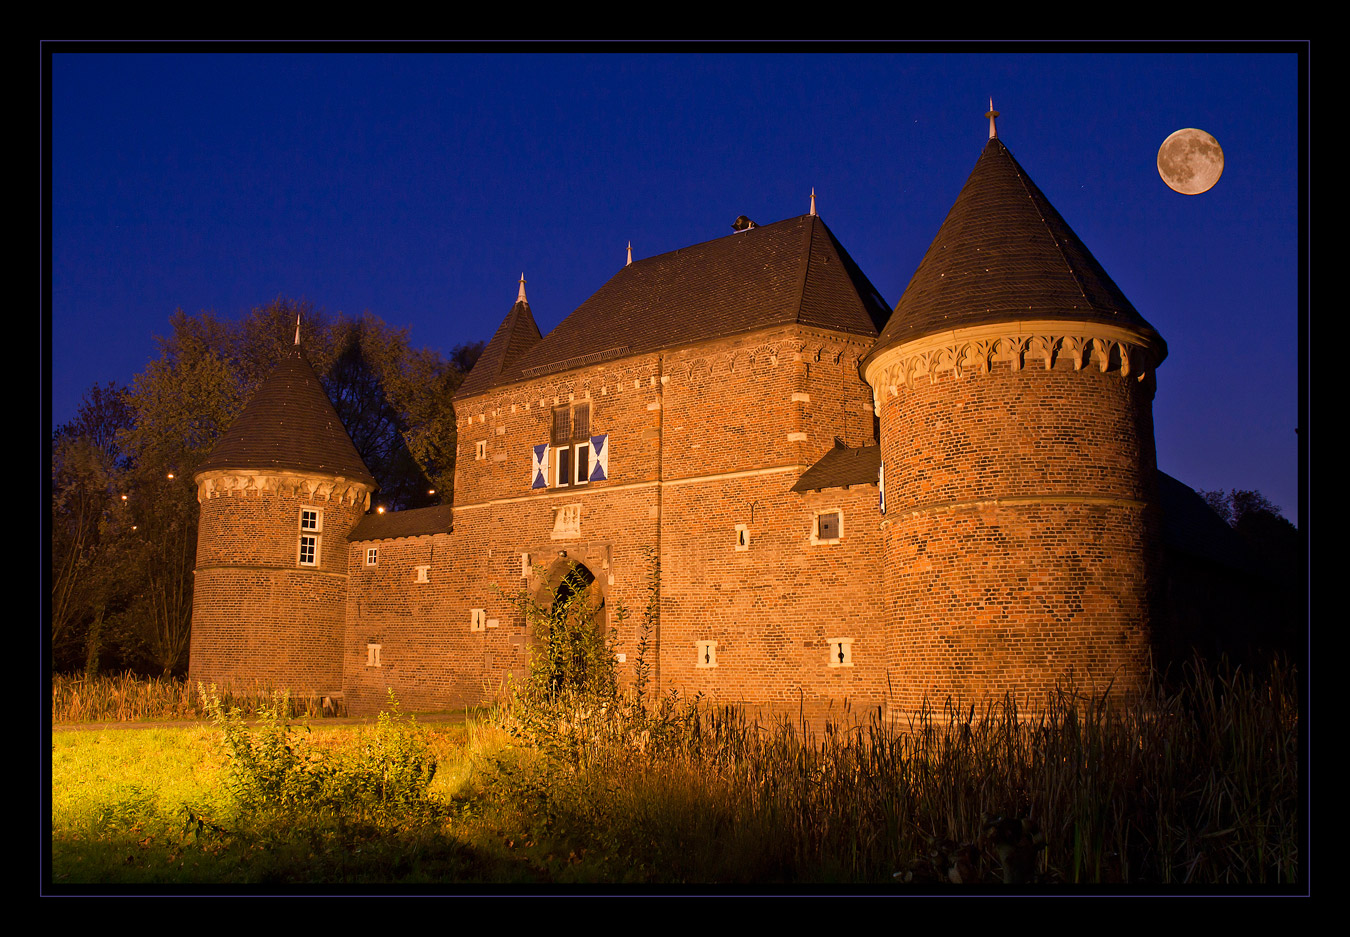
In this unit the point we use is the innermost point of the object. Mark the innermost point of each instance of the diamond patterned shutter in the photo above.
(599, 458)
(539, 467)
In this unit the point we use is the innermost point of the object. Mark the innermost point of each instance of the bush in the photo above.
(274, 769)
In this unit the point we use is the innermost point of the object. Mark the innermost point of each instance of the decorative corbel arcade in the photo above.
(974, 351)
(243, 483)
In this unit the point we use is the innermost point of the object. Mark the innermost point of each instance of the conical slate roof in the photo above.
(1005, 254)
(516, 335)
(289, 424)
(789, 271)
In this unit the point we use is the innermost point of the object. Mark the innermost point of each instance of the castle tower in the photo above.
(1014, 383)
(279, 494)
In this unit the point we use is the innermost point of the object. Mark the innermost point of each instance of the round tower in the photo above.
(279, 494)
(1014, 384)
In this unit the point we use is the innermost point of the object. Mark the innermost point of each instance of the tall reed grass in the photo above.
(1194, 786)
(127, 697)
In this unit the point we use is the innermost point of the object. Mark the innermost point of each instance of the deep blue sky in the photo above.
(420, 186)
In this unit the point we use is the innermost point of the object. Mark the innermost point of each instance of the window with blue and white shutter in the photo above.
(599, 458)
(539, 467)
(572, 456)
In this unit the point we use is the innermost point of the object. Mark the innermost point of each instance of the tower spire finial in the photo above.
(813, 200)
(520, 297)
(297, 329)
(630, 253)
(991, 115)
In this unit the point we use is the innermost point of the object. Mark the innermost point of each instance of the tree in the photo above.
(1279, 552)
(89, 525)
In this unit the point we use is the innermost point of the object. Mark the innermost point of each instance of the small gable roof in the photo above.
(842, 467)
(290, 424)
(789, 271)
(415, 523)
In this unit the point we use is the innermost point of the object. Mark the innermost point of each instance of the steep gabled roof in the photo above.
(289, 424)
(1002, 254)
(516, 335)
(790, 271)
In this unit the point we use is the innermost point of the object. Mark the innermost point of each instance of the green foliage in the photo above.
(275, 769)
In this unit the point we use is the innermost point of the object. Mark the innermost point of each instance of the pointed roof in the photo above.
(516, 335)
(1005, 254)
(289, 424)
(789, 271)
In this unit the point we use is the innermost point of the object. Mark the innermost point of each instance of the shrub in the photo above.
(274, 769)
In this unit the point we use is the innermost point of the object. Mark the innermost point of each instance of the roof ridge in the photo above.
(805, 274)
(1049, 229)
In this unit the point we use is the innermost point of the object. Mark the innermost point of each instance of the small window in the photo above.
(423, 573)
(841, 652)
(311, 519)
(742, 538)
(583, 461)
(827, 526)
(309, 550)
(372, 556)
(707, 654)
(563, 459)
(581, 421)
(480, 450)
(477, 619)
(571, 423)
(562, 425)
(372, 655)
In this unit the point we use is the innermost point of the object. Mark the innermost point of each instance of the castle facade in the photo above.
(821, 498)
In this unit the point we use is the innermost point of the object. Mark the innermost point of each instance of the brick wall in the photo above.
(1021, 531)
(257, 615)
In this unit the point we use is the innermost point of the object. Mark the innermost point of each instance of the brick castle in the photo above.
(958, 497)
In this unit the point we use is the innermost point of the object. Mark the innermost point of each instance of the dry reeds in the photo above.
(127, 697)
(1196, 786)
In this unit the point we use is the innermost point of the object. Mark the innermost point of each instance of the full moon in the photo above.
(1190, 161)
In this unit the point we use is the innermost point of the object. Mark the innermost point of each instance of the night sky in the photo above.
(420, 186)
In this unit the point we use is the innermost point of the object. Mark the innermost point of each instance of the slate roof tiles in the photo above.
(289, 424)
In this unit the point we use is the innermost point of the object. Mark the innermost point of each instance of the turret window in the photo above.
(311, 527)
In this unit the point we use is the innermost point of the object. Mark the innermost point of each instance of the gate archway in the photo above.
(569, 639)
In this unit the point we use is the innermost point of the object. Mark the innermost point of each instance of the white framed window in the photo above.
(423, 573)
(311, 524)
(841, 652)
(707, 654)
(372, 655)
(827, 526)
(581, 460)
(372, 556)
(562, 466)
